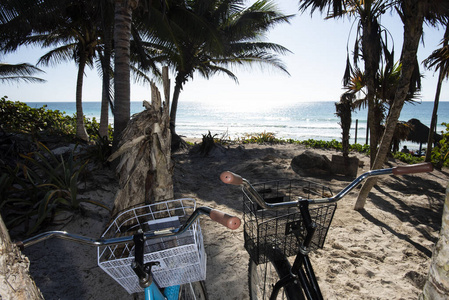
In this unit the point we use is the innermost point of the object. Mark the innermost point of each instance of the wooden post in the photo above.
(367, 132)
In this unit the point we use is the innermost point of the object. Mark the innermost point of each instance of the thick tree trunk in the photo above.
(15, 280)
(80, 128)
(413, 21)
(122, 90)
(437, 284)
(145, 168)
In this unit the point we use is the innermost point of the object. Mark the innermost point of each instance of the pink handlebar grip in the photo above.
(231, 222)
(231, 178)
(417, 168)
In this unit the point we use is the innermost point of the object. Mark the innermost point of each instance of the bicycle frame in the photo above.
(301, 272)
(302, 269)
(154, 293)
(143, 271)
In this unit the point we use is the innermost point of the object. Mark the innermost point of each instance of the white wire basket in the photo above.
(182, 258)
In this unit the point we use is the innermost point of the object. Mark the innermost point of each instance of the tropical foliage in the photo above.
(211, 37)
(17, 116)
(440, 154)
(439, 60)
(40, 187)
(19, 72)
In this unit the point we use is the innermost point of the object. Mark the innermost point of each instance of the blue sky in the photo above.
(316, 68)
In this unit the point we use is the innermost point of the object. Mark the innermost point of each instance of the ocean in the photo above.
(299, 121)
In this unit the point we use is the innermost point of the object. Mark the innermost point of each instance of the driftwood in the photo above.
(145, 169)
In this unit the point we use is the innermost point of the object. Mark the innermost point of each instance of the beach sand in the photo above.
(381, 253)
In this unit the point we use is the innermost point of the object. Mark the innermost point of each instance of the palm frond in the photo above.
(19, 72)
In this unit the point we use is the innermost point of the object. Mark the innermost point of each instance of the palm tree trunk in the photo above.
(122, 90)
(107, 26)
(437, 284)
(413, 20)
(80, 128)
(105, 97)
(371, 56)
(145, 169)
(174, 105)
(433, 122)
(15, 280)
(104, 117)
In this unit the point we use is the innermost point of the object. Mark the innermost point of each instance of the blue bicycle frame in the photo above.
(154, 293)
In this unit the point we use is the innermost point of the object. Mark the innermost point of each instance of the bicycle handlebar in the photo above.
(416, 168)
(229, 221)
(232, 178)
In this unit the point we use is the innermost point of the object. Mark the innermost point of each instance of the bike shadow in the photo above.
(407, 209)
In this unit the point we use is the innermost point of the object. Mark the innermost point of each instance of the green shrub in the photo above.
(264, 137)
(408, 158)
(40, 187)
(440, 154)
(16, 116)
(19, 117)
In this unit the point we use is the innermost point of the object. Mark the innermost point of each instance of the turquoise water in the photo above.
(300, 121)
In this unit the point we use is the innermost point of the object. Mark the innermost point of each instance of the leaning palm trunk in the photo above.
(433, 122)
(437, 284)
(145, 168)
(413, 20)
(176, 141)
(80, 128)
(15, 280)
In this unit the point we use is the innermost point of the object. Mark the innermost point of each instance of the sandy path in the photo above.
(381, 253)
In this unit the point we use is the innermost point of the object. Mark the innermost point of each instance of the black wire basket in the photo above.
(281, 231)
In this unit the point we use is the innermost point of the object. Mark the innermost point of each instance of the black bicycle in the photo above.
(284, 218)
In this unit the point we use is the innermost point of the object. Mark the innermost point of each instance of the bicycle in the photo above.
(291, 218)
(156, 248)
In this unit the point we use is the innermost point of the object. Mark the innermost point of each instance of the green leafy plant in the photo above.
(264, 137)
(440, 154)
(100, 150)
(43, 186)
(19, 117)
(207, 143)
(408, 158)
(16, 116)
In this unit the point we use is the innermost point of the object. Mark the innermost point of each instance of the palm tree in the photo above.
(386, 82)
(368, 40)
(79, 36)
(412, 13)
(209, 36)
(19, 72)
(106, 14)
(439, 60)
(122, 36)
(73, 33)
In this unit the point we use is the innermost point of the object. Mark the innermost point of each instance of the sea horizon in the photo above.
(298, 121)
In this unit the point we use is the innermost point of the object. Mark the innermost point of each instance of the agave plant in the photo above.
(43, 186)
